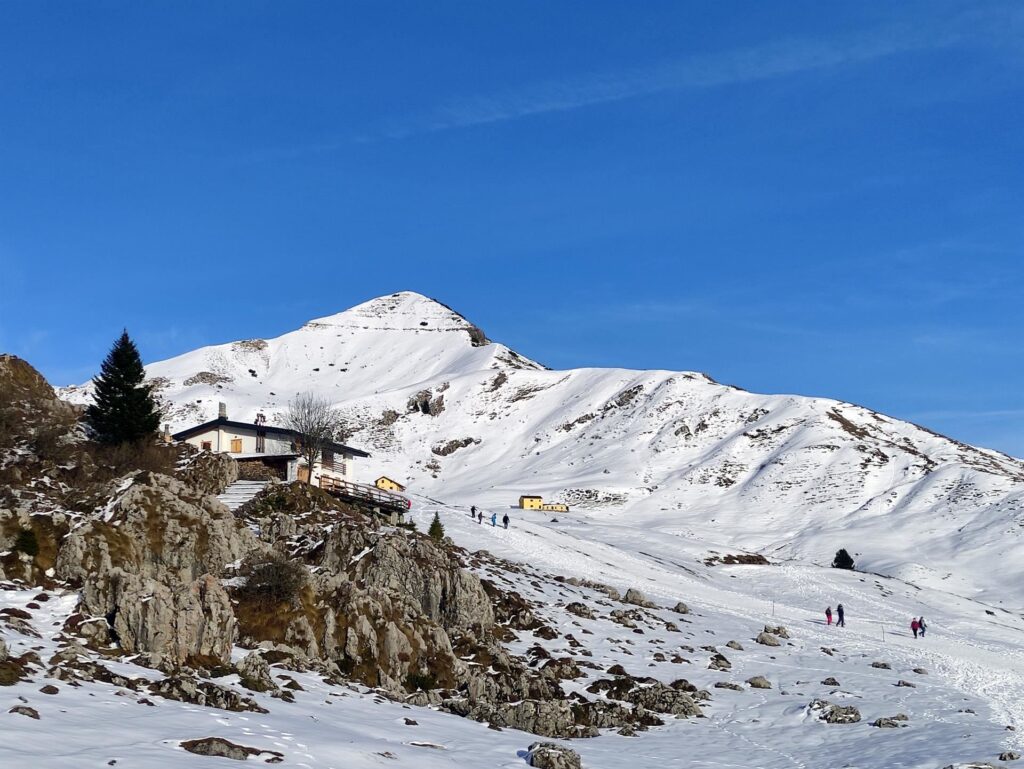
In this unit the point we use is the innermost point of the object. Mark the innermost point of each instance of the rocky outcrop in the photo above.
(892, 722)
(548, 755)
(728, 685)
(147, 564)
(186, 689)
(221, 748)
(767, 639)
(650, 694)
(418, 568)
(719, 662)
(825, 711)
(384, 607)
(637, 598)
(580, 610)
(554, 718)
(759, 682)
(254, 673)
(209, 473)
(158, 528)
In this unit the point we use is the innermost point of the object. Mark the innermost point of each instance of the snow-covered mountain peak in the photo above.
(401, 311)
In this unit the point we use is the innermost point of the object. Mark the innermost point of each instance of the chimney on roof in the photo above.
(222, 410)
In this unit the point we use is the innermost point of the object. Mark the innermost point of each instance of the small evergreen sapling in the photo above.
(436, 530)
(27, 543)
(123, 409)
(842, 560)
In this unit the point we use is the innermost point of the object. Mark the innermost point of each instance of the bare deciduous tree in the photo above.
(317, 424)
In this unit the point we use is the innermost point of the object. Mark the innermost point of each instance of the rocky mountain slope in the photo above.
(302, 631)
(467, 420)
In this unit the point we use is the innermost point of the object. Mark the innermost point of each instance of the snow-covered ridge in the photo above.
(471, 421)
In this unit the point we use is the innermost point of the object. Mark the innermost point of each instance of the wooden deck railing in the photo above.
(386, 500)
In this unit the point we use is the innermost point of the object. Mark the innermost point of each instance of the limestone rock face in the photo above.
(25, 390)
(383, 607)
(173, 625)
(147, 564)
(159, 528)
(413, 567)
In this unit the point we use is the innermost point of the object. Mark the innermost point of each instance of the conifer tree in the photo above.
(123, 410)
(436, 530)
(842, 560)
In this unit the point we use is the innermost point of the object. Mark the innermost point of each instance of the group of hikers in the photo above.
(917, 625)
(840, 616)
(479, 516)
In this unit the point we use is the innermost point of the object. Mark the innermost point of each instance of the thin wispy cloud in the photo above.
(747, 65)
(733, 67)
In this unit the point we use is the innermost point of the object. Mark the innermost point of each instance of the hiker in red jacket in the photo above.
(828, 615)
(914, 626)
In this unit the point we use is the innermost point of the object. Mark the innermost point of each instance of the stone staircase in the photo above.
(240, 492)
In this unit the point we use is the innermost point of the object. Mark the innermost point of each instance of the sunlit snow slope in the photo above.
(469, 421)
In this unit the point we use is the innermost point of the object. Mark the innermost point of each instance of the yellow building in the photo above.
(387, 484)
(530, 502)
(555, 507)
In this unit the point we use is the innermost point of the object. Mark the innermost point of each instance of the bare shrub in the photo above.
(272, 580)
(318, 424)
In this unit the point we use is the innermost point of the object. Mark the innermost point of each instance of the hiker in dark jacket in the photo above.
(472, 511)
(840, 621)
(480, 517)
(921, 626)
(505, 520)
(828, 615)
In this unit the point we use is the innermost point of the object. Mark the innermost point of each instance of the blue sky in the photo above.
(788, 196)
